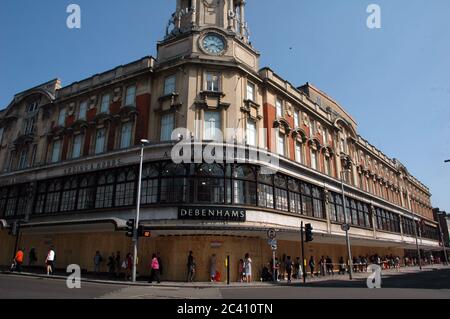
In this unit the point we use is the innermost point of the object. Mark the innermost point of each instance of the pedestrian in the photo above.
(50, 261)
(154, 275)
(341, 266)
(248, 268)
(276, 270)
(212, 268)
(330, 268)
(18, 259)
(312, 265)
(322, 266)
(32, 257)
(128, 265)
(111, 265)
(190, 267)
(118, 264)
(288, 266)
(98, 259)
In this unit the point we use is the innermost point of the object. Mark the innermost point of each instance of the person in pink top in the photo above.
(155, 270)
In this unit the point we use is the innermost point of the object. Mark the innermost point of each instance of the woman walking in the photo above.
(154, 275)
(248, 268)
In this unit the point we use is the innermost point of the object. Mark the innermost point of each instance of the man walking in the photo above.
(19, 260)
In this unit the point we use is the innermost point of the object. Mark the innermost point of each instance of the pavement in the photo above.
(433, 282)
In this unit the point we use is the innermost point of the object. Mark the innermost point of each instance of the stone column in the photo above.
(194, 12)
(242, 12)
(229, 14)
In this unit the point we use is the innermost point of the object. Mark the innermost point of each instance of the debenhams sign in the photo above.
(212, 213)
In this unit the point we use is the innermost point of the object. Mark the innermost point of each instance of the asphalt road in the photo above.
(426, 285)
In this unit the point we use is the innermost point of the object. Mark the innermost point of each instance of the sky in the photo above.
(395, 81)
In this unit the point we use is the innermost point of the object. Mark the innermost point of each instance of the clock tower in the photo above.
(209, 30)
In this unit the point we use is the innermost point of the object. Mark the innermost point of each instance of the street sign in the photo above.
(273, 243)
(345, 227)
(274, 247)
(271, 233)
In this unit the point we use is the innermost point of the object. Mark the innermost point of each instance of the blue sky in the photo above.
(394, 81)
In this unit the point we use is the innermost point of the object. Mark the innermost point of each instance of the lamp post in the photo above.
(138, 207)
(347, 164)
(447, 161)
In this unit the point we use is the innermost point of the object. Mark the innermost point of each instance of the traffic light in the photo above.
(308, 233)
(130, 228)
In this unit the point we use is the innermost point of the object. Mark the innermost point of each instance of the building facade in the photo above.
(70, 160)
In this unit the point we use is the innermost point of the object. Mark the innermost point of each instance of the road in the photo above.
(432, 284)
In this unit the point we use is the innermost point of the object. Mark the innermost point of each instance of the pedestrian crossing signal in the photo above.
(144, 232)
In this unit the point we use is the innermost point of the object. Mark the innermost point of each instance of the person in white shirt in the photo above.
(49, 261)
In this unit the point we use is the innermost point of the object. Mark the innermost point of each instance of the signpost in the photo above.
(272, 234)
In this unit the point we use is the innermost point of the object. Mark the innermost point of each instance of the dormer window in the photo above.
(170, 85)
(130, 97)
(212, 82)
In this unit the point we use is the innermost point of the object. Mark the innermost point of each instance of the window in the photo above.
(212, 82)
(307, 200)
(212, 126)
(299, 152)
(53, 197)
(265, 191)
(105, 191)
(296, 119)
(82, 111)
(32, 107)
(62, 117)
(250, 91)
(12, 156)
(174, 184)
(337, 209)
(125, 188)
(130, 98)
(313, 159)
(318, 202)
(106, 101)
(251, 132)
(210, 184)
(33, 155)
(11, 202)
(3, 200)
(170, 85)
(29, 125)
(281, 144)
(86, 193)
(100, 141)
(69, 195)
(150, 182)
(295, 196)
(167, 127)
(243, 185)
(279, 107)
(1, 134)
(77, 144)
(312, 128)
(23, 161)
(56, 152)
(126, 135)
(281, 193)
(327, 165)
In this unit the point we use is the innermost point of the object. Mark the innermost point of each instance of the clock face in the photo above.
(213, 44)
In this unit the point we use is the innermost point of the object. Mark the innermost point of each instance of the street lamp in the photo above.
(138, 207)
(447, 161)
(347, 165)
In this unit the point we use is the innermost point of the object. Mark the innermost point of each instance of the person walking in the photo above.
(98, 259)
(50, 261)
(248, 268)
(341, 266)
(312, 265)
(288, 266)
(322, 266)
(128, 265)
(18, 259)
(330, 267)
(154, 275)
(190, 267)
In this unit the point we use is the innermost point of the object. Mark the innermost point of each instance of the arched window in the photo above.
(281, 193)
(174, 183)
(244, 185)
(150, 183)
(86, 194)
(105, 191)
(53, 197)
(265, 190)
(210, 184)
(125, 185)
(69, 195)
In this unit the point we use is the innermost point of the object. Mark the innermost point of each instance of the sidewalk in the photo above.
(92, 278)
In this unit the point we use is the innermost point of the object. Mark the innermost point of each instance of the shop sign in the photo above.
(228, 214)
